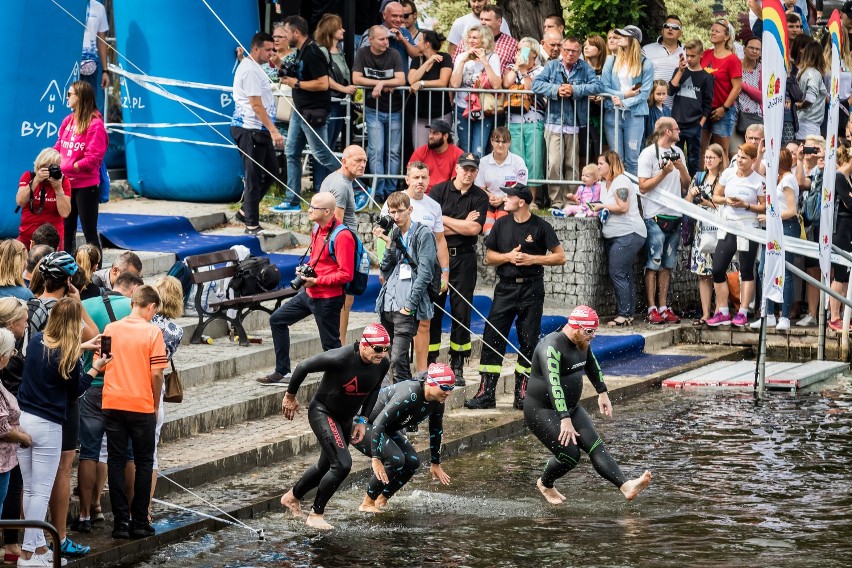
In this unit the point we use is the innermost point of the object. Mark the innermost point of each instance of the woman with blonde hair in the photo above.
(88, 259)
(627, 78)
(13, 262)
(53, 375)
(82, 143)
(44, 196)
(477, 68)
(727, 70)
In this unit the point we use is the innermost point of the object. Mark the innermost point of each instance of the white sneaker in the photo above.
(807, 321)
(770, 322)
(45, 559)
(783, 324)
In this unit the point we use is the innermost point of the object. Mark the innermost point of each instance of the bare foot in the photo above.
(317, 521)
(560, 495)
(382, 502)
(289, 500)
(634, 487)
(369, 506)
(552, 495)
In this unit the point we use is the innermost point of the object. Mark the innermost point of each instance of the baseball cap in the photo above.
(520, 190)
(847, 8)
(375, 334)
(440, 374)
(630, 31)
(469, 159)
(441, 126)
(583, 317)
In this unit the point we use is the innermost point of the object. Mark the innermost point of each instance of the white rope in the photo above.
(258, 532)
(170, 139)
(137, 78)
(162, 124)
(206, 502)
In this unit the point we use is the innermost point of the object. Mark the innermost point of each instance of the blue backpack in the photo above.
(184, 275)
(362, 262)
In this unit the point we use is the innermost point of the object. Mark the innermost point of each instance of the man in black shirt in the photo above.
(464, 206)
(520, 245)
(308, 77)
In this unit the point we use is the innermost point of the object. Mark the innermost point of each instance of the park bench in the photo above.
(216, 266)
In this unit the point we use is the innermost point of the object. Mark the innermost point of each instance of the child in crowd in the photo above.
(691, 89)
(587, 193)
(656, 107)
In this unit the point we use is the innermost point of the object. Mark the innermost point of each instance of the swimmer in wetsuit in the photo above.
(348, 389)
(395, 461)
(553, 413)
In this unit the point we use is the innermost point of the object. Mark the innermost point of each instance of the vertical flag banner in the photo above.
(826, 221)
(775, 65)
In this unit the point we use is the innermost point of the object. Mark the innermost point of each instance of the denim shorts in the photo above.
(91, 423)
(660, 248)
(724, 127)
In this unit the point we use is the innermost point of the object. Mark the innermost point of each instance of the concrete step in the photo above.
(274, 241)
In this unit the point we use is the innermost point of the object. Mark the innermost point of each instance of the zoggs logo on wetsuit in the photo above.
(553, 358)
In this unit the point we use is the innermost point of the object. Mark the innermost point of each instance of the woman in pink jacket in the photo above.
(82, 144)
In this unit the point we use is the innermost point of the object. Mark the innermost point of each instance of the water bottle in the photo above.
(207, 339)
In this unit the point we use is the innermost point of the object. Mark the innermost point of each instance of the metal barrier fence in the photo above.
(51, 530)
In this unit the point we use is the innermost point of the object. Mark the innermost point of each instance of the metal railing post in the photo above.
(51, 530)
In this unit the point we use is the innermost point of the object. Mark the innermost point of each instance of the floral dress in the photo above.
(701, 263)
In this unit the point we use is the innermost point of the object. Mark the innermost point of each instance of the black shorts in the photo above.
(71, 427)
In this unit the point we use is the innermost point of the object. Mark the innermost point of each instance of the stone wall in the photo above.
(583, 279)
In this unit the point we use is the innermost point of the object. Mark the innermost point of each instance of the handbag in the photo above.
(746, 119)
(668, 223)
(707, 239)
(283, 103)
(517, 101)
(104, 184)
(173, 386)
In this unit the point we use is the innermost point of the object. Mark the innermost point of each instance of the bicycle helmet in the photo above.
(58, 266)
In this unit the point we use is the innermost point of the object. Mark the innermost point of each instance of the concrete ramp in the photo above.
(740, 375)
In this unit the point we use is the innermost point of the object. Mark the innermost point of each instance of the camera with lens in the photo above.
(302, 271)
(702, 196)
(54, 171)
(386, 223)
(670, 156)
(287, 69)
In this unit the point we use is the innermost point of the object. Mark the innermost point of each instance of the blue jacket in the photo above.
(561, 110)
(638, 105)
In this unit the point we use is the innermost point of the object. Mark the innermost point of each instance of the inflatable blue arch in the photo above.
(36, 82)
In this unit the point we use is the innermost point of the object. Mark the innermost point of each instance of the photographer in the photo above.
(44, 196)
(409, 266)
(308, 77)
(662, 168)
(320, 281)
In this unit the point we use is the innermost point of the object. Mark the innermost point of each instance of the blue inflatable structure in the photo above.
(37, 80)
(181, 40)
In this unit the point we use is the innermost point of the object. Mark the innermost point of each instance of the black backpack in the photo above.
(184, 275)
(255, 275)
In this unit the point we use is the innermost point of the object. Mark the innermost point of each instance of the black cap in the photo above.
(520, 190)
(847, 8)
(441, 126)
(630, 31)
(469, 159)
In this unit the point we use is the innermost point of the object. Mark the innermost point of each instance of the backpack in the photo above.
(254, 275)
(362, 262)
(184, 275)
(812, 207)
(334, 69)
(37, 314)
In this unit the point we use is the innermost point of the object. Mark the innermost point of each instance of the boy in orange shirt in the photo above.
(131, 394)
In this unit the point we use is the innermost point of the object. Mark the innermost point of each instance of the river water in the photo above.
(735, 484)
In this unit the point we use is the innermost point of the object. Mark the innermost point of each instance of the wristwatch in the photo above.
(297, 85)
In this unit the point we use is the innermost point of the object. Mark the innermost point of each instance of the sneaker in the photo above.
(141, 530)
(49, 556)
(669, 316)
(770, 322)
(240, 217)
(361, 200)
(286, 208)
(719, 319)
(121, 530)
(740, 320)
(71, 548)
(275, 378)
(836, 325)
(655, 317)
(807, 321)
(98, 516)
(82, 526)
(45, 559)
(783, 324)
(254, 230)
(557, 212)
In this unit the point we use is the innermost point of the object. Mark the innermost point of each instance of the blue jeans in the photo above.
(690, 143)
(791, 229)
(4, 487)
(621, 252)
(95, 81)
(661, 247)
(326, 312)
(297, 134)
(473, 135)
(384, 147)
(631, 130)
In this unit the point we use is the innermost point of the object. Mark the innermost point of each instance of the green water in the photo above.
(735, 484)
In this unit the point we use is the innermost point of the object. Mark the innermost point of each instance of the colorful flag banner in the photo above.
(826, 221)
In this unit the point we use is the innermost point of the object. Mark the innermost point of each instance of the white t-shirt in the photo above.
(649, 166)
(492, 176)
(664, 62)
(96, 23)
(789, 180)
(460, 26)
(621, 224)
(746, 188)
(251, 81)
(425, 211)
(472, 72)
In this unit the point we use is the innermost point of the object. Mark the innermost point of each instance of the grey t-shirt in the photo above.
(344, 195)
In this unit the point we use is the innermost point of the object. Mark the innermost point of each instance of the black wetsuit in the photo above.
(403, 404)
(348, 387)
(553, 393)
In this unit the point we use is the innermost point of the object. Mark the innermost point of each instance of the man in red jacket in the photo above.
(321, 295)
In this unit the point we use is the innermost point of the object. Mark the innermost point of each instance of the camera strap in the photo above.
(307, 252)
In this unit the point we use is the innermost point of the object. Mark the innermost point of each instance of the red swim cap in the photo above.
(440, 374)
(375, 334)
(583, 316)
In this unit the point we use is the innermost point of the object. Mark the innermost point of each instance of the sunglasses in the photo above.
(319, 209)
(588, 331)
(674, 27)
(445, 388)
(408, 14)
(378, 348)
(71, 93)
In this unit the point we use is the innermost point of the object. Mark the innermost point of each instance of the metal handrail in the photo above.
(54, 534)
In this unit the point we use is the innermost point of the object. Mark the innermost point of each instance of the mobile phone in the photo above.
(525, 53)
(637, 86)
(106, 346)
(593, 203)
(810, 150)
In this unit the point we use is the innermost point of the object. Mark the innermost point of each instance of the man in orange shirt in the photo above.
(131, 394)
(440, 154)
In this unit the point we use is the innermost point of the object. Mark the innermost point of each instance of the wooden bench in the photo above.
(216, 266)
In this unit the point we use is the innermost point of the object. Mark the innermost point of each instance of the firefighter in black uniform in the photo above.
(520, 245)
(464, 206)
